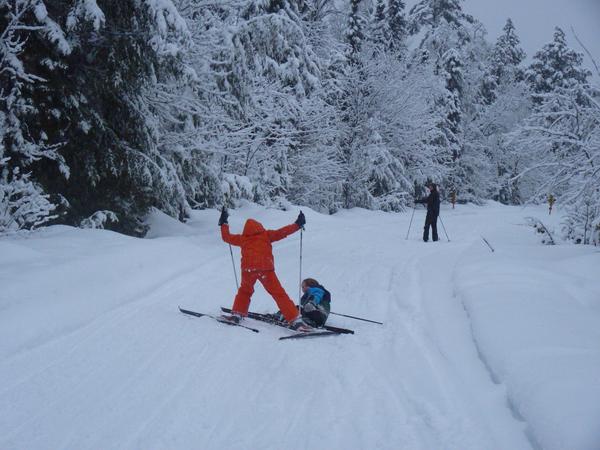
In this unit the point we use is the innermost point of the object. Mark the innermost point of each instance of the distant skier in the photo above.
(258, 265)
(314, 304)
(433, 211)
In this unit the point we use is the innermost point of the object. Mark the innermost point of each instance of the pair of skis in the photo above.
(270, 319)
(265, 318)
(217, 318)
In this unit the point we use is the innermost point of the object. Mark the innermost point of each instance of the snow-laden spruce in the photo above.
(125, 106)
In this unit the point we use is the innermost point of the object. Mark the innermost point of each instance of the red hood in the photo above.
(253, 227)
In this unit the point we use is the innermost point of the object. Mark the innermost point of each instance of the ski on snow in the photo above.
(266, 318)
(218, 319)
(297, 335)
(309, 334)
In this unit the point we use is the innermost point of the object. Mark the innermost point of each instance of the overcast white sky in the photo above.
(535, 21)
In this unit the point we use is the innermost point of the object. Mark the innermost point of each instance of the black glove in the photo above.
(301, 220)
(224, 216)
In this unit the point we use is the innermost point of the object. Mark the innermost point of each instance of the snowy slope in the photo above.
(545, 304)
(479, 350)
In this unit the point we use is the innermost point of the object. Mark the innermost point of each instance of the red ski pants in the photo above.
(272, 286)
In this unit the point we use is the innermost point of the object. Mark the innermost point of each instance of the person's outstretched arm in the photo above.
(281, 233)
(277, 235)
(233, 239)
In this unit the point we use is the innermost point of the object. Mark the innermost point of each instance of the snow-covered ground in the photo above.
(479, 350)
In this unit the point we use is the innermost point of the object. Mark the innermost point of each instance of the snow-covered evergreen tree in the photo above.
(191, 110)
(111, 108)
(504, 65)
(439, 17)
(355, 34)
(445, 28)
(388, 26)
(274, 84)
(511, 106)
(556, 66)
(351, 107)
(503, 102)
(23, 202)
(356, 140)
(381, 112)
(398, 26)
(562, 136)
(95, 102)
(379, 33)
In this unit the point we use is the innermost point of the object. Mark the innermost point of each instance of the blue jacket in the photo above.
(317, 295)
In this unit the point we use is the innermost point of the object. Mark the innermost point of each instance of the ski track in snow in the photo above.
(140, 375)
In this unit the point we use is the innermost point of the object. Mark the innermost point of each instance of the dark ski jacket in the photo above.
(433, 203)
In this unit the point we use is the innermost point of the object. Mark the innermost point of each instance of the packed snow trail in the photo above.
(95, 354)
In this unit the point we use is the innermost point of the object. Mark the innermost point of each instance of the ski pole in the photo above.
(237, 285)
(300, 275)
(411, 219)
(233, 265)
(357, 318)
(442, 222)
(488, 244)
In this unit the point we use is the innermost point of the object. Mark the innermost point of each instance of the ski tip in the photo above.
(344, 331)
(310, 334)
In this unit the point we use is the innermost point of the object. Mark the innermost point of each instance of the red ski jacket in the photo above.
(255, 241)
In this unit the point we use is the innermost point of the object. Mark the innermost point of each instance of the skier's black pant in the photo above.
(315, 318)
(430, 220)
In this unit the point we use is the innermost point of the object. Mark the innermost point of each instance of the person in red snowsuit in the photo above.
(258, 263)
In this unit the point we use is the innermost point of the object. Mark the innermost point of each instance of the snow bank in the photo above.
(161, 225)
(61, 278)
(535, 312)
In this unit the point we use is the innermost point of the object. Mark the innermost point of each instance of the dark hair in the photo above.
(433, 186)
(310, 282)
